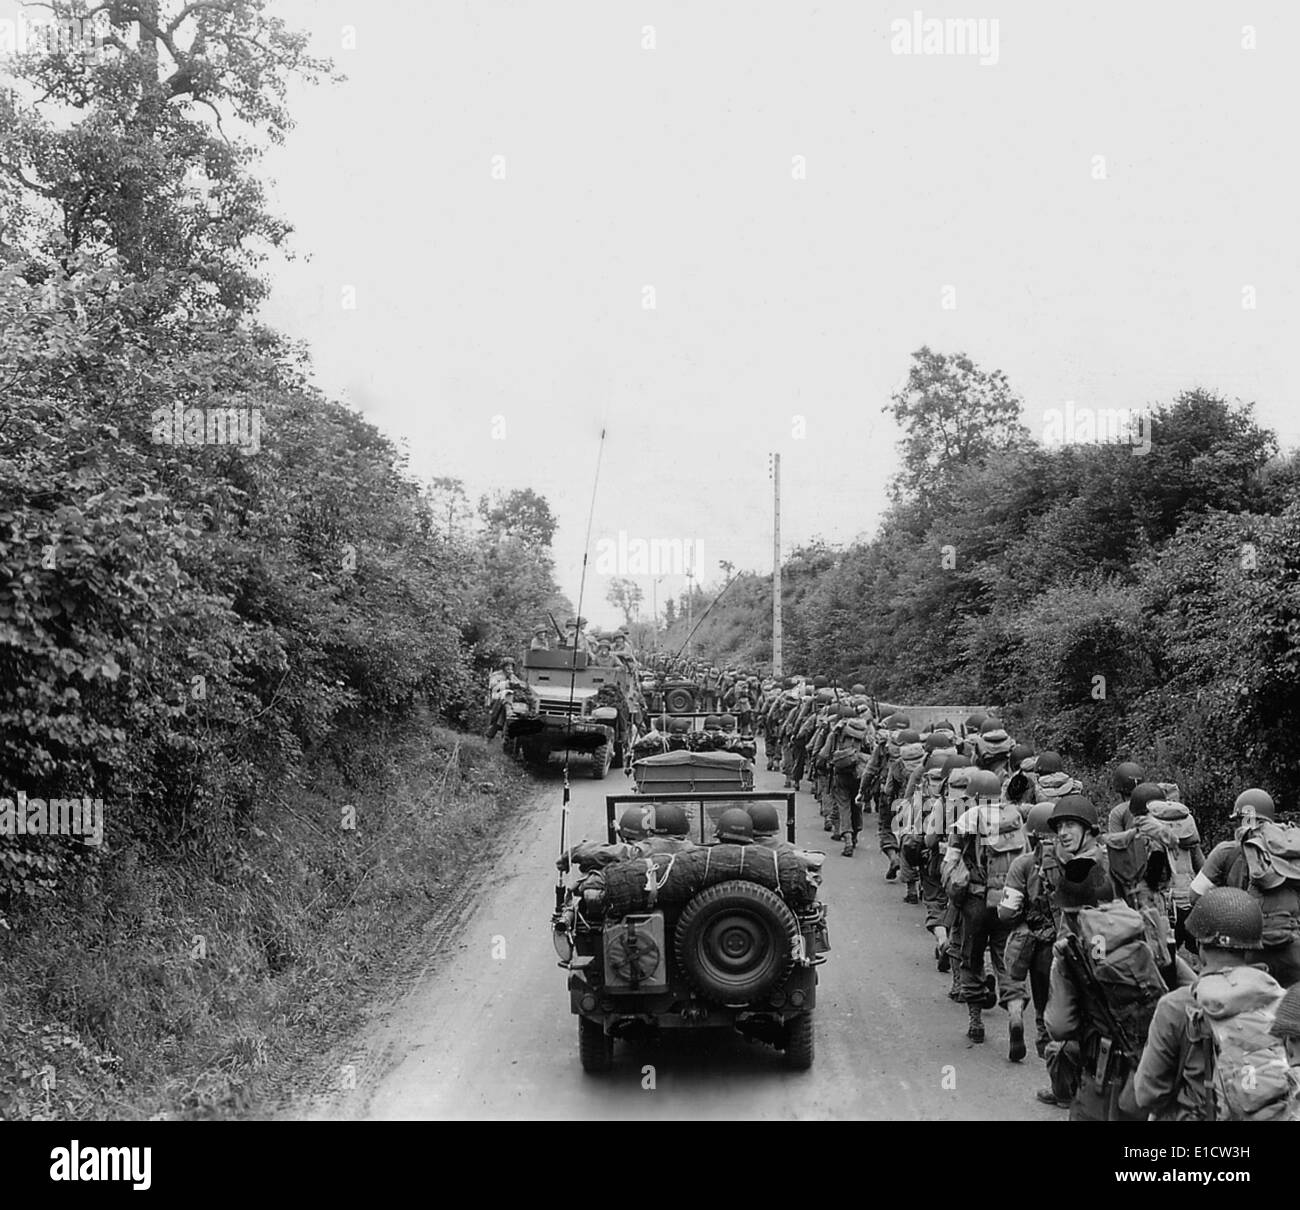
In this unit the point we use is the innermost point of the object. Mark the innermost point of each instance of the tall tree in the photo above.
(952, 414)
(626, 596)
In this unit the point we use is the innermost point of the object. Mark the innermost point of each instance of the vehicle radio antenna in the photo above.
(573, 670)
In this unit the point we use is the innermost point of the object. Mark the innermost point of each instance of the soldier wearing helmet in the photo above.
(591, 855)
(1226, 863)
(794, 739)
(1074, 821)
(845, 757)
(920, 797)
(767, 835)
(1227, 866)
(734, 826)
(987, 838)
(941, 917)
(1173, 1081)
(669, 826)
(1127, 777)
(1028, 904)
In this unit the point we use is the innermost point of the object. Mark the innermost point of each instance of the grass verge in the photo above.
(169, 991)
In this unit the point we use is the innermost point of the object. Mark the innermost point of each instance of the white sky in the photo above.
(775, 297)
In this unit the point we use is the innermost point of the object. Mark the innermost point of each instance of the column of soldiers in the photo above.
(1164, 983)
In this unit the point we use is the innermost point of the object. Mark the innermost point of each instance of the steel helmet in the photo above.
(825, 695)
(679, 725)
(728, 722)
(1228, 919)
(735, 825)
(844, 710)
(1144, 793)
(908, 737)
(956, 760)
(897, 721)
(959, 778)
(939, 741)
(712, 723)
(1256, 800)
(990, 725)
(1048, 762)
(820, 682)
(1077, 807)
(858, 689)
(631, 824)
(1038, 821)
(976, 721)
(788, 683)
(984, 784)
(935, 760)
(765, 818)
(1019, 754)
(1127, 775)
(669, 820)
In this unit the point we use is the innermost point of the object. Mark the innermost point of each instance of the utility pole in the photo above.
(690, 602)
(776, 565)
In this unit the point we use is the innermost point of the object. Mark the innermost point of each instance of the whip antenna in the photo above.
(573, 655)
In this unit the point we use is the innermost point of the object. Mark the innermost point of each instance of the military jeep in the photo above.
(734, 953)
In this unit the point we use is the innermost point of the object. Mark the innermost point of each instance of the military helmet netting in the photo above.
(1227, 918)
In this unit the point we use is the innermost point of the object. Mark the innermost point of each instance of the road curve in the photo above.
(486, 1031)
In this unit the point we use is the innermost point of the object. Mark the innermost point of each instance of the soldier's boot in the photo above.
(892, 872)
(975, 1032)
(850, 839)
(1016, 1031)
(911, 896)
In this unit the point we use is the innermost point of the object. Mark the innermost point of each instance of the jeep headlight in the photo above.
(563, 942)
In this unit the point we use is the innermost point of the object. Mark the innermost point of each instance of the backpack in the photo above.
(1250, 1079)
(1273, 860)
(1178, 819)
(1114, 941)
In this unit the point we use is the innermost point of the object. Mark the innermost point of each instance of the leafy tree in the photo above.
(522, 513)
(952, 414)
(626, 596)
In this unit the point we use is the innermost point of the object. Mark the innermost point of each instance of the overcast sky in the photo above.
(515, 288)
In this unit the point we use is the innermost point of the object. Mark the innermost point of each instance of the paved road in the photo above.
(487, 1033)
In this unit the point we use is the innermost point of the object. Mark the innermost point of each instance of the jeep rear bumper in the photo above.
(680, 1008)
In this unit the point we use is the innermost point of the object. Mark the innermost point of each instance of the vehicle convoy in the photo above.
(573, 704)
(706, 936)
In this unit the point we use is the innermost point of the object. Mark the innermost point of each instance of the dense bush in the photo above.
(1118, 604)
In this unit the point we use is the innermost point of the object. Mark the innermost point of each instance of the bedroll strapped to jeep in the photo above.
(670, 880)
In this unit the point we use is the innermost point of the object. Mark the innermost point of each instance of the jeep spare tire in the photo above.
(735, 942)
(679, 701)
